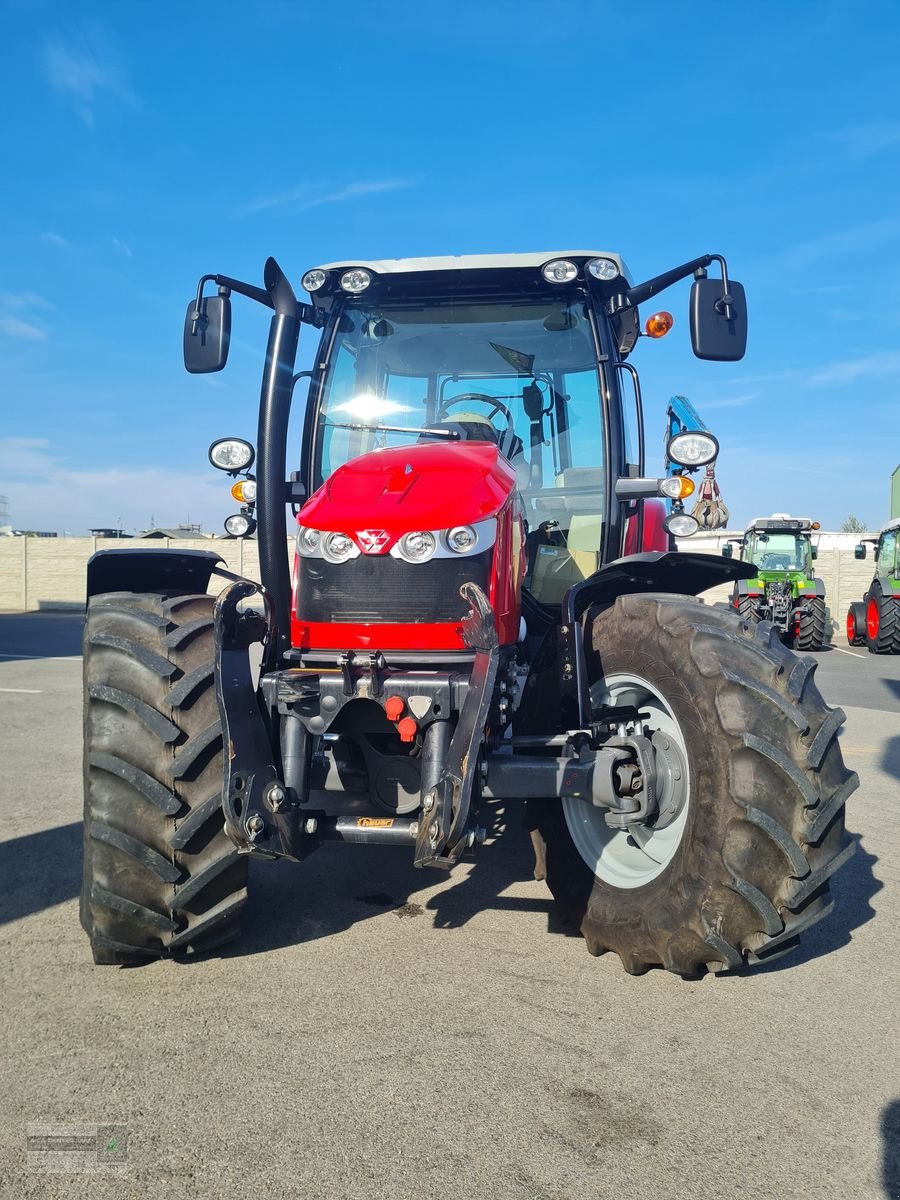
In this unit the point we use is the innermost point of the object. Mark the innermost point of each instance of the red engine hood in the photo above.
(413, 487)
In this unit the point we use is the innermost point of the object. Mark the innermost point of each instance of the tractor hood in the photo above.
(413, 487)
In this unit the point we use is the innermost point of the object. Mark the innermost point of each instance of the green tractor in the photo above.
(875, 620)
(785, 590)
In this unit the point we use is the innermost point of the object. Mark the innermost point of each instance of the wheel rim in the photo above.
(851, 627)
(872, 619)
(630, 858)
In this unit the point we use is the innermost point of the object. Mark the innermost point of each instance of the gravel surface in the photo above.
(382, 1033)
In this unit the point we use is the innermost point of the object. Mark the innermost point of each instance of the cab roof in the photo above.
(780, 522)
(471, 262)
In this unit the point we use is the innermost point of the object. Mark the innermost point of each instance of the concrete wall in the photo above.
(49, 573)
(845, 578)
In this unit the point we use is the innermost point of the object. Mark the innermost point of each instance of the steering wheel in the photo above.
(496, 406)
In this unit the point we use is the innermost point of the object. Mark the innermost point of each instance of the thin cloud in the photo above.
(842, 242)
(23, 300)
(17, 328)
(86, 69)
(861, 142)
(869, 366)
(306, 196)
(731, 401)
(123, 248)
(55, 239)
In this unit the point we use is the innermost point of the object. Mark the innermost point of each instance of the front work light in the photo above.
(603, 268)
(356, 280)
(681, 524)
(313, 280)
(231, 455)
(692, 448)
(676, 487)
(560, 270)
(239, 524)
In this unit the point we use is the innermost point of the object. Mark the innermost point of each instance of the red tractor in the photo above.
(484, 605)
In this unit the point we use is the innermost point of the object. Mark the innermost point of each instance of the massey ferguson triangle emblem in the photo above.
(372, 541)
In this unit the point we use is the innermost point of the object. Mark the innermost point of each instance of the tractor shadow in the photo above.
(39, 871)
(339, 886)
(890, 1149)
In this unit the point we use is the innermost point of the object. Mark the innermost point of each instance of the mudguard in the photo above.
(687, 573)
(133, 570)
(743, 587)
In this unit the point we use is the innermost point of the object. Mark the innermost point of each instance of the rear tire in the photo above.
(882, 622)
(160, 875)
(856, 624)
(764, 824)
(811, 631)
(748, 610)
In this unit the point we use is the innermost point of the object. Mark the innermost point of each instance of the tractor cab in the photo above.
(780, 545)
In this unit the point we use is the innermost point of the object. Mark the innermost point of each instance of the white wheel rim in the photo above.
(629, 858)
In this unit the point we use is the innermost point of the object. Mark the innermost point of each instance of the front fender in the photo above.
(134, 570)
(687, 573)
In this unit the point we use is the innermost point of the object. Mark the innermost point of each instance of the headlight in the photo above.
(308, 540)
(462, 538)
(356, 280)
(560, 270)
(313, 280)
(231, 454)
(244, 491)
(417, 547)
(338, 547)
(692, 449)
(681, 525)
(603, 268)
(239, 525)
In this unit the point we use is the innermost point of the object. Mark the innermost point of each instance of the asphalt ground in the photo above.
(385, 1033)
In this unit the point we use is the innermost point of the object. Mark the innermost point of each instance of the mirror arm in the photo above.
(643, 291)
(244, 289)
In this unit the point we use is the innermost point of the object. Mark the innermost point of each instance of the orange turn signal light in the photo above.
(816, 525)
(244, 491)
(659, 324)
(687, 487)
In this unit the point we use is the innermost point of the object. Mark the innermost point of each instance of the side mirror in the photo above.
(814, 552)
(207, 333)
(727, 550)
(715, 335)
(859, 550)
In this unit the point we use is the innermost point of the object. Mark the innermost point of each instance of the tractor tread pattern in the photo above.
(811, 625)
(161, 875)
(779, 818)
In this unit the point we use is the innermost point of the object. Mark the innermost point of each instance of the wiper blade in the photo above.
(452, 434)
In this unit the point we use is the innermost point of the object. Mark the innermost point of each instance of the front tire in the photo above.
(763, 820)
(160, 875)
(856, 624)
(811, 630)
(882, 623)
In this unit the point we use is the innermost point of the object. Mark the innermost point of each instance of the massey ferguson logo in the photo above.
(373, 541)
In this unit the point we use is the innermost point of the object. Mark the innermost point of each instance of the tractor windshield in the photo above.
(520, 373)
(780, 552)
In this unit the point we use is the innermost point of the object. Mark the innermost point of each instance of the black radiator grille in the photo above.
(382, 589)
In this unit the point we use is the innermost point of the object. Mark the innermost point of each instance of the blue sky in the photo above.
(147, 143)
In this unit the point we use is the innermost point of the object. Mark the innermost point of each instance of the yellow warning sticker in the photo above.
(374, 822)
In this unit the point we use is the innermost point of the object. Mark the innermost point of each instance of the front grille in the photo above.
(382, 589)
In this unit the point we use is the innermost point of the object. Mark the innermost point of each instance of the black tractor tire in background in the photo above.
(882, 622)
(747, 609)
(856, 624)
(811, 631)
(160, 875)
(764, 829)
